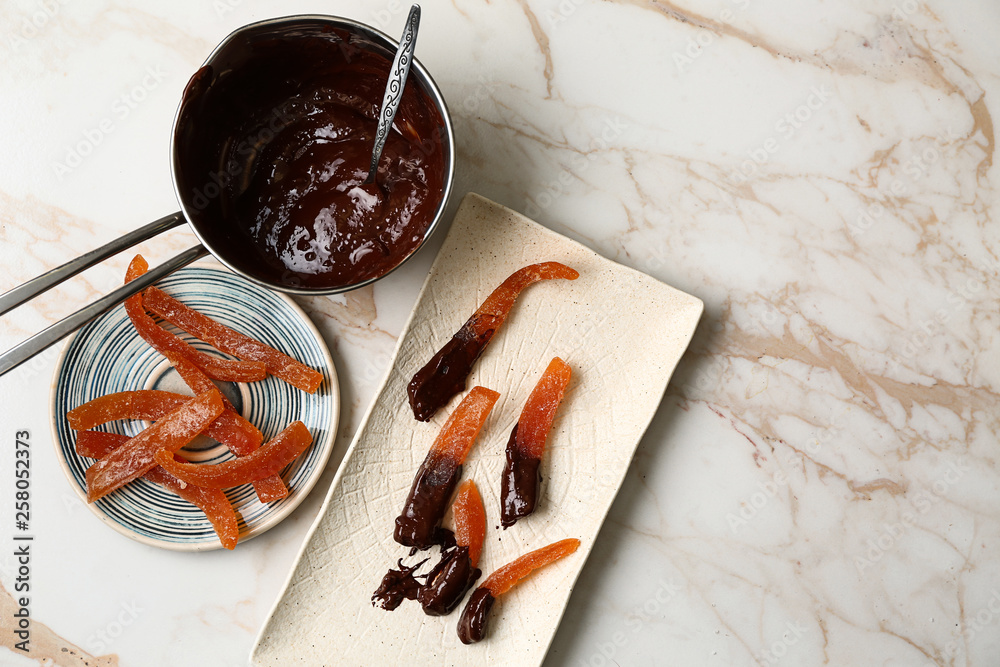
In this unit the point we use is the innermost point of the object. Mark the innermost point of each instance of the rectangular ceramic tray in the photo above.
(621, 331)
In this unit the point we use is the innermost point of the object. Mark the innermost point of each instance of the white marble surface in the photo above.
(820, 485)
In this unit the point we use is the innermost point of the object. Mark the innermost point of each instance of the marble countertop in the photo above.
(820, 485)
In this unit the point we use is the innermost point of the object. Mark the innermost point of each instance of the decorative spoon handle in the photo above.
(394, 87)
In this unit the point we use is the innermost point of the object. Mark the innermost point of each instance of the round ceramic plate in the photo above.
(107, 355)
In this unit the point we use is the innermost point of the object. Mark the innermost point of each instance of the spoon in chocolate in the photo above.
(394, 87)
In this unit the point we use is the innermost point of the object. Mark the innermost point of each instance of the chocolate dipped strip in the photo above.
(521, 482)
(448, 582)
(445, 374)
(419, 524)
(473, 624)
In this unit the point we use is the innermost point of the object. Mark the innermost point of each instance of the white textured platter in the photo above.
(621, 331)
(107, 355)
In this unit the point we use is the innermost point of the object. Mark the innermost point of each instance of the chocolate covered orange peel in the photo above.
(475, 617)
(445, 374)
(520, 482)
(419, 524)
(449, 580)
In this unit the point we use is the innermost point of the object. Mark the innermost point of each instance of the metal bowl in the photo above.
(200, 190)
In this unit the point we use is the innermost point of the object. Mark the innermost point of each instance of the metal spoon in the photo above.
(394, 87)
(202, 219)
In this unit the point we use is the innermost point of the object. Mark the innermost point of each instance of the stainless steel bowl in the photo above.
(358, 35)
(195, 186)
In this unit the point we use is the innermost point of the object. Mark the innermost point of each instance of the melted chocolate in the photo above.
(396, 586)
(519, 485)
(419, 524)
(448, 582)
(276, 139)
(445, 374)
(472, 624)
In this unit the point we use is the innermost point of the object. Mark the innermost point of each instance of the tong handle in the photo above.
(29, 290)
(20, 353)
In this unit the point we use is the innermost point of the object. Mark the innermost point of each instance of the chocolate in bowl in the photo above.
(272, 145)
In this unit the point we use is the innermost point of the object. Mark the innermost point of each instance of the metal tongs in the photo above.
(201, 218)
(20, 353)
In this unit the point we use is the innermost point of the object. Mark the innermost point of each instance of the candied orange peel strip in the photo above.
(445, 374)
(419, 524)
(152, 404)
(97, 444)
(266, 461)
(470, 520)
(198, 382)
(475, 617)
(232, 342)
(163, 341)
(268, 489)
(521, 482)
(505, 577)
(136, 457)
(540, 409)
(139, 404)
(463, 426)
(212, 502)
(452, 577)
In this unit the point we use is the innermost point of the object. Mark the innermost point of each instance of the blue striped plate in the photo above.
(107, 355)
